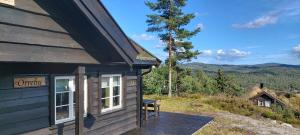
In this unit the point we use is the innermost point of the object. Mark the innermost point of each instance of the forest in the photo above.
(231, 79)
(279, 77)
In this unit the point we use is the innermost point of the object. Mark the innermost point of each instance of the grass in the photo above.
(209, 105)
(245, 107)
(187, 104)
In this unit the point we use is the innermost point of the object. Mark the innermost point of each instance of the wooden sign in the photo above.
(8, 2)
(131, 83)
(31, 81)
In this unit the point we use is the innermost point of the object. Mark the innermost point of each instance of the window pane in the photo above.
(62, 98)
(105, 103)
(74, 97)
(105, 82)
(62, 85)
(62, 112)
(116, 91)
(58, 99)
(65, 98)
(105, 92)
(116, 80)
(116, 101)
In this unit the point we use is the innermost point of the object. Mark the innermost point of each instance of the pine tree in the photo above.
(221, 81)
(169, 21)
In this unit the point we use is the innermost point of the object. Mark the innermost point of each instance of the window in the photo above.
(65, 98)
(267, 103)
(260, 103)
(111, 92)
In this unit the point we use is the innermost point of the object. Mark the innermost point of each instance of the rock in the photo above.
(273, 121)
(287, 125)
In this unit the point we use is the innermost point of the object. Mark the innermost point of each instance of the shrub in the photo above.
(234, 105)
(277, 108)
(289, 95)
(297, 115)
(272, 115)
(287, 114)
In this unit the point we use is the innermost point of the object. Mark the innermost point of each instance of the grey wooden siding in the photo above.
(27, 109)
(94, 87)
(41, 28)
(117, 122)
(22, 110)
(20, 52)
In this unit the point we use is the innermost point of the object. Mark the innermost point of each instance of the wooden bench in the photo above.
(148, 104)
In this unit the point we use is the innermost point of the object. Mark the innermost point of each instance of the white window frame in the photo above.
(260, 103)
(71, 96)
(111, 107)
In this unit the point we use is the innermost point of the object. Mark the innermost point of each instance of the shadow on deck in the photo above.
(172, 124)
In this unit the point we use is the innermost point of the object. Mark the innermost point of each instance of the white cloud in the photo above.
(257, 23)
(286, 10)
(232, 54)
(226, 55)
(200, 25)
(143, 37)
(206, 53)
(296, 50)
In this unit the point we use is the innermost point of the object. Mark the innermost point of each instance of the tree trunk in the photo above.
(170, 54)
(170, 69)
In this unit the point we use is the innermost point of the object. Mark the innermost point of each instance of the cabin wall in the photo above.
(27, 110)
(264, 99)
(38, 37)
(36, 34)
(116, 122)
(22, 109)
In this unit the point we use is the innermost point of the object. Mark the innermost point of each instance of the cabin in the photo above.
(66, 67)
(264, 99)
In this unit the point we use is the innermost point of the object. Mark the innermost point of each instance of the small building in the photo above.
(264, 99)
(66, 67)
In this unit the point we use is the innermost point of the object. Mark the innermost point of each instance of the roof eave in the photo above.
(84, 9)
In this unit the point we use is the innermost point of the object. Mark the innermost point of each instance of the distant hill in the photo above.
(275, 76)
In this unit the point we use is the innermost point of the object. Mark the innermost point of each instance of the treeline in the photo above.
(279, 82)
(186, 80)
(274, 76)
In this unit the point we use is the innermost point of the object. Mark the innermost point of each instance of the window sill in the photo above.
(112, 111)
(64, 124)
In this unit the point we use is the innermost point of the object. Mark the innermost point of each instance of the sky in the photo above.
(232, 32)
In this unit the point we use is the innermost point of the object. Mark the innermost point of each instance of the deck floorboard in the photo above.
(171, 124)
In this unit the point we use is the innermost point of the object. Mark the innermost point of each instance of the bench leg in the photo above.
(158, 110)
(146, 112)
(155, 109)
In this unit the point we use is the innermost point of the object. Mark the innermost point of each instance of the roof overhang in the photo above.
(100, 18)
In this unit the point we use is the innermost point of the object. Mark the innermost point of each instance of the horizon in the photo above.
(244, 64)
(248, 33)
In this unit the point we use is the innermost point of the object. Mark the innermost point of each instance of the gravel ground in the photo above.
(258, 127)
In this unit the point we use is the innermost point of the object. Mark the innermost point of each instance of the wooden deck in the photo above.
(171, 124)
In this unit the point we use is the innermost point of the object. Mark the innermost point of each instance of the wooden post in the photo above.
(139, 98)
(79, 107)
